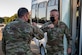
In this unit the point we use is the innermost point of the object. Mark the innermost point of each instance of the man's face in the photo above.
(54, 14)
(26, 16)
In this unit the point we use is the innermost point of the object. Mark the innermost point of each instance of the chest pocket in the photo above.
(58, 32)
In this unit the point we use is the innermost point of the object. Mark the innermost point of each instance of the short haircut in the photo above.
(22, 11)
(54, 10)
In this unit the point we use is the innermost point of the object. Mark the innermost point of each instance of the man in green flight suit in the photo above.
(18, 34)
(55, 31)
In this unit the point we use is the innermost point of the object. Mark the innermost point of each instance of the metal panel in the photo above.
(80, 44)
(42, 10)
(74, 7)
(60, 10)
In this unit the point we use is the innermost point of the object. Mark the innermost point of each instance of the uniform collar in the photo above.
(20, 19)
(56, 25)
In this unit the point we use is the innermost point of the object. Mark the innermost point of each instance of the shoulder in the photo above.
(11, 24)
(62, 24)
(7, 28)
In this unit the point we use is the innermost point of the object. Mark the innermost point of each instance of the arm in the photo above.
(69, 39)
(45, 27)
(38, 33)
(67, 33)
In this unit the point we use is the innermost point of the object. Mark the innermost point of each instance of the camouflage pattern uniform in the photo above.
(17, 36)
(55, 37)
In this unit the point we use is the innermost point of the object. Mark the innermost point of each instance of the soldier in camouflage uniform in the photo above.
(18, 34)
(55, 30)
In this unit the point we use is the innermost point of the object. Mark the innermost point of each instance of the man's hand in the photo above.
(33, 23)
(51, 26)
(69, 50)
